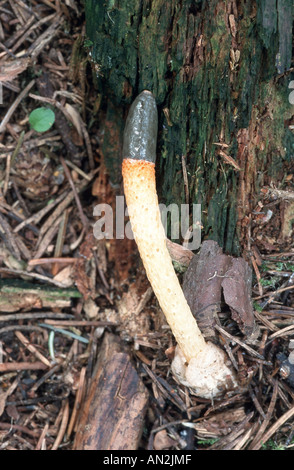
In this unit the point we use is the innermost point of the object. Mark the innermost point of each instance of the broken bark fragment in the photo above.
(202, 285)
(18, 295)
(237, 293)
(112, 417)
(212, 273)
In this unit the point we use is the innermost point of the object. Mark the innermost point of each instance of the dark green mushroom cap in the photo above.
(140, 134)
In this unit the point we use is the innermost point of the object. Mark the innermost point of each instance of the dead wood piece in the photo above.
(12, 366)
(210, 272)
(113, 412)
(18, 295)
(202, 285)
(237, 292)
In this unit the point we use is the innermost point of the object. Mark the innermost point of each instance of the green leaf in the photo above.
(88, 43)
(41, 119)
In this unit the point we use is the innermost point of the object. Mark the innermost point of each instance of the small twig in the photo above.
(84, 219)
(35, 218)
(17, 427)
(251, 351)
(34, 316)
(17, 148)
(88, 145)
(49, 4)
(258, 441)
(73, 246)
(18, 34)
(257, 274)
(243, 439)
(41, 261)
(36, 48)
(143, 301)
(40, 443)
(16, 11)
(22, 204)
(43, 243)
(45, 377)
(78, 401)
(60, 241)
(229, 160)
(273, 294)
(7, 175)
(101, 273)
(59, 210)
(62, 429)
(9, 328)
(10, 161)
(283, 332)
(174, 398)
(185, 177)
(29, 31)
(69, 323)
(285, 417)
(6, 233)
(12, 366)
(32, 348)
(40, 277)
(256, 403)
(78, 170)
(266, 322)
(15, 105)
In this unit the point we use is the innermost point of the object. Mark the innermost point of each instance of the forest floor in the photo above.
(61, 290)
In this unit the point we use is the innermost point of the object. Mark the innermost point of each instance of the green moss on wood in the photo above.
(181, 51)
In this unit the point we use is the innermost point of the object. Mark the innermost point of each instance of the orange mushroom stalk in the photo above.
(197, 364)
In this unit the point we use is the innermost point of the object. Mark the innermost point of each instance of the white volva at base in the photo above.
(207, 374)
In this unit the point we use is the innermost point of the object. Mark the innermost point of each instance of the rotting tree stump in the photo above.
(220, 72)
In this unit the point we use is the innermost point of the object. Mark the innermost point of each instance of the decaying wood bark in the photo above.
(18, 295)
(113, 413)
(212, 276)
(202, 285)
(220, 72)
(237, 288)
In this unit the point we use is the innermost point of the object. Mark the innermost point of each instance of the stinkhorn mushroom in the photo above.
(200, 365)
